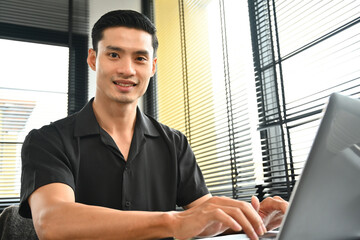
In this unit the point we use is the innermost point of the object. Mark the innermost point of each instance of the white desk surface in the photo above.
(268, 235)
(228, 237)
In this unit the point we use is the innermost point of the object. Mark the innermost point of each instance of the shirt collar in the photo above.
(86, 123)
(145, 124)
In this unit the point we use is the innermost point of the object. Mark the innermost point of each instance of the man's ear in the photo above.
(154, 66)
(91, 59)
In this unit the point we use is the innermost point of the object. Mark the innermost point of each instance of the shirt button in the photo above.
(127, 204)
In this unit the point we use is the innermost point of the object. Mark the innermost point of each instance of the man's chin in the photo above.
(125, 101)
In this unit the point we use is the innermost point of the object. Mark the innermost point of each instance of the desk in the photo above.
(228, 237)
(269, 235)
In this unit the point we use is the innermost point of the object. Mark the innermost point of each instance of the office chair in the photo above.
(15, 227)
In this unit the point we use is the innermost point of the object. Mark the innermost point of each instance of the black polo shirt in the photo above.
(160, 173)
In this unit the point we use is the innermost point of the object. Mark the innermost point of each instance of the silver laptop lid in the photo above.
(325, 200)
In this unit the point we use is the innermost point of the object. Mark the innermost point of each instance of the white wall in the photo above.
(96, 9)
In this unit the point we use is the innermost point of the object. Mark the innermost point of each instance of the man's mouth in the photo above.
(125, 84)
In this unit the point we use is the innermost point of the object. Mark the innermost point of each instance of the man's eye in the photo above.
(141, 59)
(114, 55)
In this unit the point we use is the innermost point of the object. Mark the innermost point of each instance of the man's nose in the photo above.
(126, 67)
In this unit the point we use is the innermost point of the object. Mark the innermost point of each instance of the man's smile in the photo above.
(125, 83)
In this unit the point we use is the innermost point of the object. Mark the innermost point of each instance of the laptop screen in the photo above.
(324, 203)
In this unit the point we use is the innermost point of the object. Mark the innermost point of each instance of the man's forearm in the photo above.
(78, 221)
(56, 215)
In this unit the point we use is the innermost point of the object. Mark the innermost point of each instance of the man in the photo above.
(111, 172)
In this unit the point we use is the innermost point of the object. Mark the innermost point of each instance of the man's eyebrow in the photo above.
(119, 49)
(143, 52)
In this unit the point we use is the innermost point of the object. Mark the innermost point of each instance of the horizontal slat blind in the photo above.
(150, 98)
(169, 66)
(205, 77)
(49, 14)
(208, 119)
(37, 25)
(13, 118)
(304, 51)
(302, 23)
(27, 103)
(244, 112)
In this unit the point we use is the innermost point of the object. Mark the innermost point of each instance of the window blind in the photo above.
(205, 89)
(150, 97)
(13, 117)
(63, 23)
(303, 51)
(59, 23)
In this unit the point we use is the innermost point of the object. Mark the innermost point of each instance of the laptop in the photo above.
(325, 203)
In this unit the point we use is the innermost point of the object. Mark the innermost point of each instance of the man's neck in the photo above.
(115, 118)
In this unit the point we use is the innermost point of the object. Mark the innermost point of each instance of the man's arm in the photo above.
(56, 215)
(198, 201)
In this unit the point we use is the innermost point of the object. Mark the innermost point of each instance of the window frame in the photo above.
(77, 71)
(276, 122)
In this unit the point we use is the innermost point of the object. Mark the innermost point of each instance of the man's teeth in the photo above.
(125, 84)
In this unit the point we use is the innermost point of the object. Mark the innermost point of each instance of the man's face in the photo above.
(124, 64)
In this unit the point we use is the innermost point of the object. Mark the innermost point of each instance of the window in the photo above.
(303, 52)
(47, 60)
(205, 85)
(33, 93)
(246, 81)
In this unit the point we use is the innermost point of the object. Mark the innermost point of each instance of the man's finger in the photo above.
(251, 230)
(280, 204)
(255, 203)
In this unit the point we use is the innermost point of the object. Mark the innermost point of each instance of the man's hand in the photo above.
(215, 216)
(271, 210)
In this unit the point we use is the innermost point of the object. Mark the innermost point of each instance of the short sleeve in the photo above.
(44, 161)
(191, 183)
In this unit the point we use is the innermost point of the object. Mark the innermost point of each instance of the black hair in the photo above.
(123, 18)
